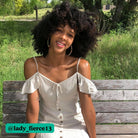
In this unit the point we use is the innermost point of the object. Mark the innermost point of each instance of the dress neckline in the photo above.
(60, 81)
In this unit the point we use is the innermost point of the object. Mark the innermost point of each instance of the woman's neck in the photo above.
(56, 60)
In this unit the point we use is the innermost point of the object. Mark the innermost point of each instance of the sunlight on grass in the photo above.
(41, 12)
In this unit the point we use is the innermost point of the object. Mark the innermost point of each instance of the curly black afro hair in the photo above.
(82, 22)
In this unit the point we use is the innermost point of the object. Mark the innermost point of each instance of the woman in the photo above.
(56, 79)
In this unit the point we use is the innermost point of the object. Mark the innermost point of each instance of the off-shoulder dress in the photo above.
(59, 103)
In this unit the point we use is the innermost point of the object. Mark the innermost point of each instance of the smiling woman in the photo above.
(59, 76)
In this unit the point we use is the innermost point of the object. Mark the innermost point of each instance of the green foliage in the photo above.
(6, 7)
(54, 2)
(105, 2)
(18, 5)
(26, 8)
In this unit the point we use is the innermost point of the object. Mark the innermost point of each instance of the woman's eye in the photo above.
(59, 30)
(70, 35)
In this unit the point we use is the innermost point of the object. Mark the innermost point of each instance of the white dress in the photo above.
(59, 103)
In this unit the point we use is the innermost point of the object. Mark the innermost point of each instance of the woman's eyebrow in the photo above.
(72, 31)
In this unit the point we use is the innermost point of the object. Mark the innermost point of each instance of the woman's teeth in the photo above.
(60, 44)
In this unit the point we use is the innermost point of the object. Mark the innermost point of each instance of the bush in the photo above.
(6, 7)
(18, 5)
(26, 8)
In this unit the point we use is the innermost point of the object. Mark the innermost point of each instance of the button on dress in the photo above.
(59, 103)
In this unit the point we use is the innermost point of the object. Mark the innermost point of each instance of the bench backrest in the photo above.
(115, 102)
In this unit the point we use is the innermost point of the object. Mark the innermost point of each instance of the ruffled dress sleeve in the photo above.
(86, 85)
(31, 84)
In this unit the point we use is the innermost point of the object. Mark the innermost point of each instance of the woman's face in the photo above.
(62, 39)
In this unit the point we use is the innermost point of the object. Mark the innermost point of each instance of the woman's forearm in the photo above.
(31, 117)
(90, 121)
(32, 111)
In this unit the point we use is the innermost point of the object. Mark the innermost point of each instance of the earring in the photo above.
(70, 51)
(48, 42)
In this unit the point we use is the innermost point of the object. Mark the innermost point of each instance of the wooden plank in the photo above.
(117, 118)
(118, 95)
(3, 133)
(13, 136)
(107, 130)
(100, 84)
(14, 118)
(117, 136)
(16, 108)
(100, 107)
(131, 129)
(14, 96)
(12, 85)
(116, 107)
(100, 118)
(116, 84)
(98, 136)
(115, 95)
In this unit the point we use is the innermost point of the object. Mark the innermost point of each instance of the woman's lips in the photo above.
(60, 44)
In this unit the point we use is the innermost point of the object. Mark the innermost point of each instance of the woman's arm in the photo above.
(32, 111)
(87, 107)
(88, 112)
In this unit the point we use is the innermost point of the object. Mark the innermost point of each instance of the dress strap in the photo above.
(78, 64)
(36, 63)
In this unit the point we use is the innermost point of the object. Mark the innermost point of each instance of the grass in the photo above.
(32, 16)
(114, 58)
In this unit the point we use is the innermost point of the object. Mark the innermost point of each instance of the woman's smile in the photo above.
(59, 44)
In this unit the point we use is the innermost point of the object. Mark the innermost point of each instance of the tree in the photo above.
(121, 14)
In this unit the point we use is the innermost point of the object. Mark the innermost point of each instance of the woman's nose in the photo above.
(64, 36)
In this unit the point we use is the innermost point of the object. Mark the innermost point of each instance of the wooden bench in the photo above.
(116, 105)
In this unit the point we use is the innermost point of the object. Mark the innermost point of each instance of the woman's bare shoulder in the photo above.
(29, 68)
(84, 68)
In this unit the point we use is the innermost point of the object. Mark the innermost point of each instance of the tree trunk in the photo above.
(36, 11)
(98, 4)
(118, 10)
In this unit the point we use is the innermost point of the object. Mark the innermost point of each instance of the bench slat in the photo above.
(14, 108)
(117, 136)
(106, 130)
(12, 85)
(100, 118)
(117, 95)
(117, 118)
(105, 95)
(116, 84)
(100, 95)
(3, 133)
(98, 136)
(116, 107)
(100, 107)
(100, 84)
(14, 96)
(13, 136)
(14, 118)
(117, 129)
